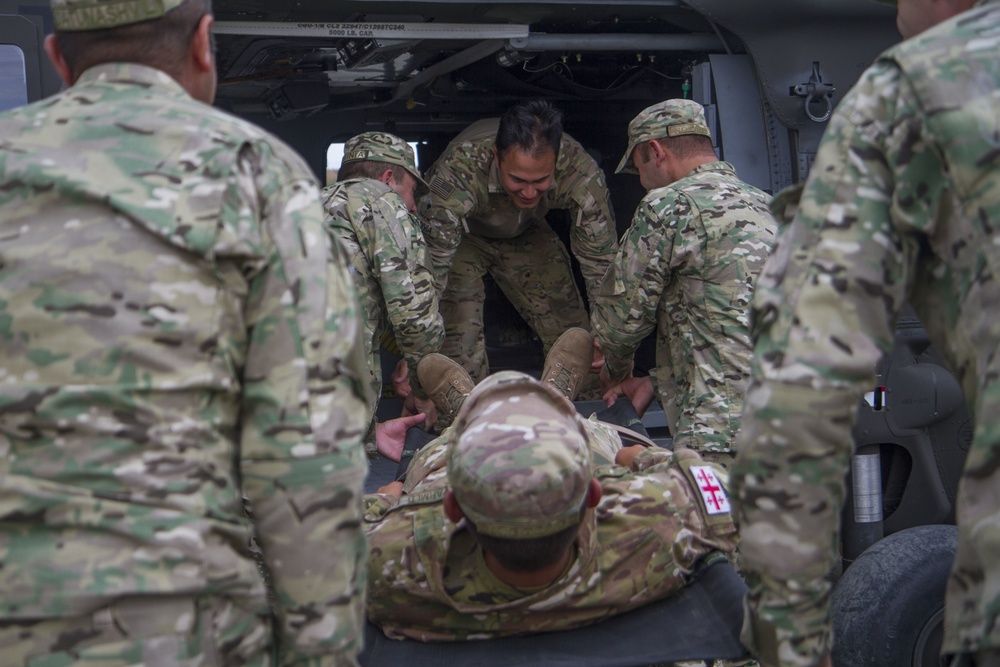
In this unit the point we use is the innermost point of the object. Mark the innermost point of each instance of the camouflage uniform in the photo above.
(902, 205)
(473, 227)
(387, 252)
(686, 269)
(176, 335)
(519, 473)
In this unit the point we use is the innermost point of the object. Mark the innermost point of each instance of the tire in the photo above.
(888, 607)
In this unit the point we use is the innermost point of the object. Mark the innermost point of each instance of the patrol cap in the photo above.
(74, 15)
(384, 147)
(671, 118)
(520, 466)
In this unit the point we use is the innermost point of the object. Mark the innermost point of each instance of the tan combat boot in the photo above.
(568, 362)
(446, 384)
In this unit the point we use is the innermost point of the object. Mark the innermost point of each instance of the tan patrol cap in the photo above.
(384, 147)
(75, 15)
(671, 118)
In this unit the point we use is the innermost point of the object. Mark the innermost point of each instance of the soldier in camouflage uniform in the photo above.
(369, 210)
(902, 205)
(178, 335)
(686, 270)
(489, 194)
(547, 512)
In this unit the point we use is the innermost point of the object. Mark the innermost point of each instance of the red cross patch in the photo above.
(712, 494)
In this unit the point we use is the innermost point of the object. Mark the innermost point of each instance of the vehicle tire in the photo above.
(888, 607)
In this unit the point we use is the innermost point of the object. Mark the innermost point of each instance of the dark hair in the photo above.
(684, 146)
(161, 43)
(369, 169)
(527, 555)
(535, 127)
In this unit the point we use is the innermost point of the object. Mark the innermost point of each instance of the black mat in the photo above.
(702, 622)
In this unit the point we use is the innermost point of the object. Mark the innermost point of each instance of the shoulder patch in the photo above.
(441, 187)
(713, 494)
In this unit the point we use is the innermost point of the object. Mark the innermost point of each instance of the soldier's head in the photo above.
(915, 16)
(386, 158)
(174, 36)
(520, 472)
(526, 149)
(665, 141)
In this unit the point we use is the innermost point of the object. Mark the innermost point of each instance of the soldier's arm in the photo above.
(407, 284)
(824, 311)
(593, 236)
(624, 306)
(303, 415)
(442, 213)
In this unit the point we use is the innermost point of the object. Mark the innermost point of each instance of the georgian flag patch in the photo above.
(713, 495)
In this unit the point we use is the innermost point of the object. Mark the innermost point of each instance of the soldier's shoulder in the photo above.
(572, 155)
(935, 49)
(464, 159)
(238, 132)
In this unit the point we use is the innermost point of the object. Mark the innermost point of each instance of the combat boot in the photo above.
(568, 362)
(446, 384)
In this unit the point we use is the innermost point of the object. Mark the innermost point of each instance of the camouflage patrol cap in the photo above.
(384, 147)
(520, 467)
(671, 118)
(74, 15)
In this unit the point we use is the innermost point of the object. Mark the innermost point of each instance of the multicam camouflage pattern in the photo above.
(70, 15)
(473, 227)
(386, 249)
(686, 269)
(384, 147)
(520, 467)
(428, 580)
(533, 270)
(177, 334)
(670, 118)
(175, 631)
(902, 205)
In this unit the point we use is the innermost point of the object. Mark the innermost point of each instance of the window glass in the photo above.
(13, 82)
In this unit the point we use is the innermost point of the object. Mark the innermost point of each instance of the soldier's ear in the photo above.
(657, 149)
(58, 61)
(594, 494)
(386, 176)
(202, 45)
(451, 508)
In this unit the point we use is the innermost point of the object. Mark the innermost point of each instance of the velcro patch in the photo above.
(441, 187)
(713, 495)
(687, 128)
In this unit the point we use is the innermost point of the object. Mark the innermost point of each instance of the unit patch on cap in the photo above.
(74, 15)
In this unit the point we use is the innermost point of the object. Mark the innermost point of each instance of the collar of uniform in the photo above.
(569, 580)
(493, 183)
(130, 73)
(717, 165)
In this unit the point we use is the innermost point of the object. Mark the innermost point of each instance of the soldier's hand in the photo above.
(625, 455)
(401, 379)
(420, 406)
(390, 436)
(598, 363)
(639, 390)
(394, 489)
